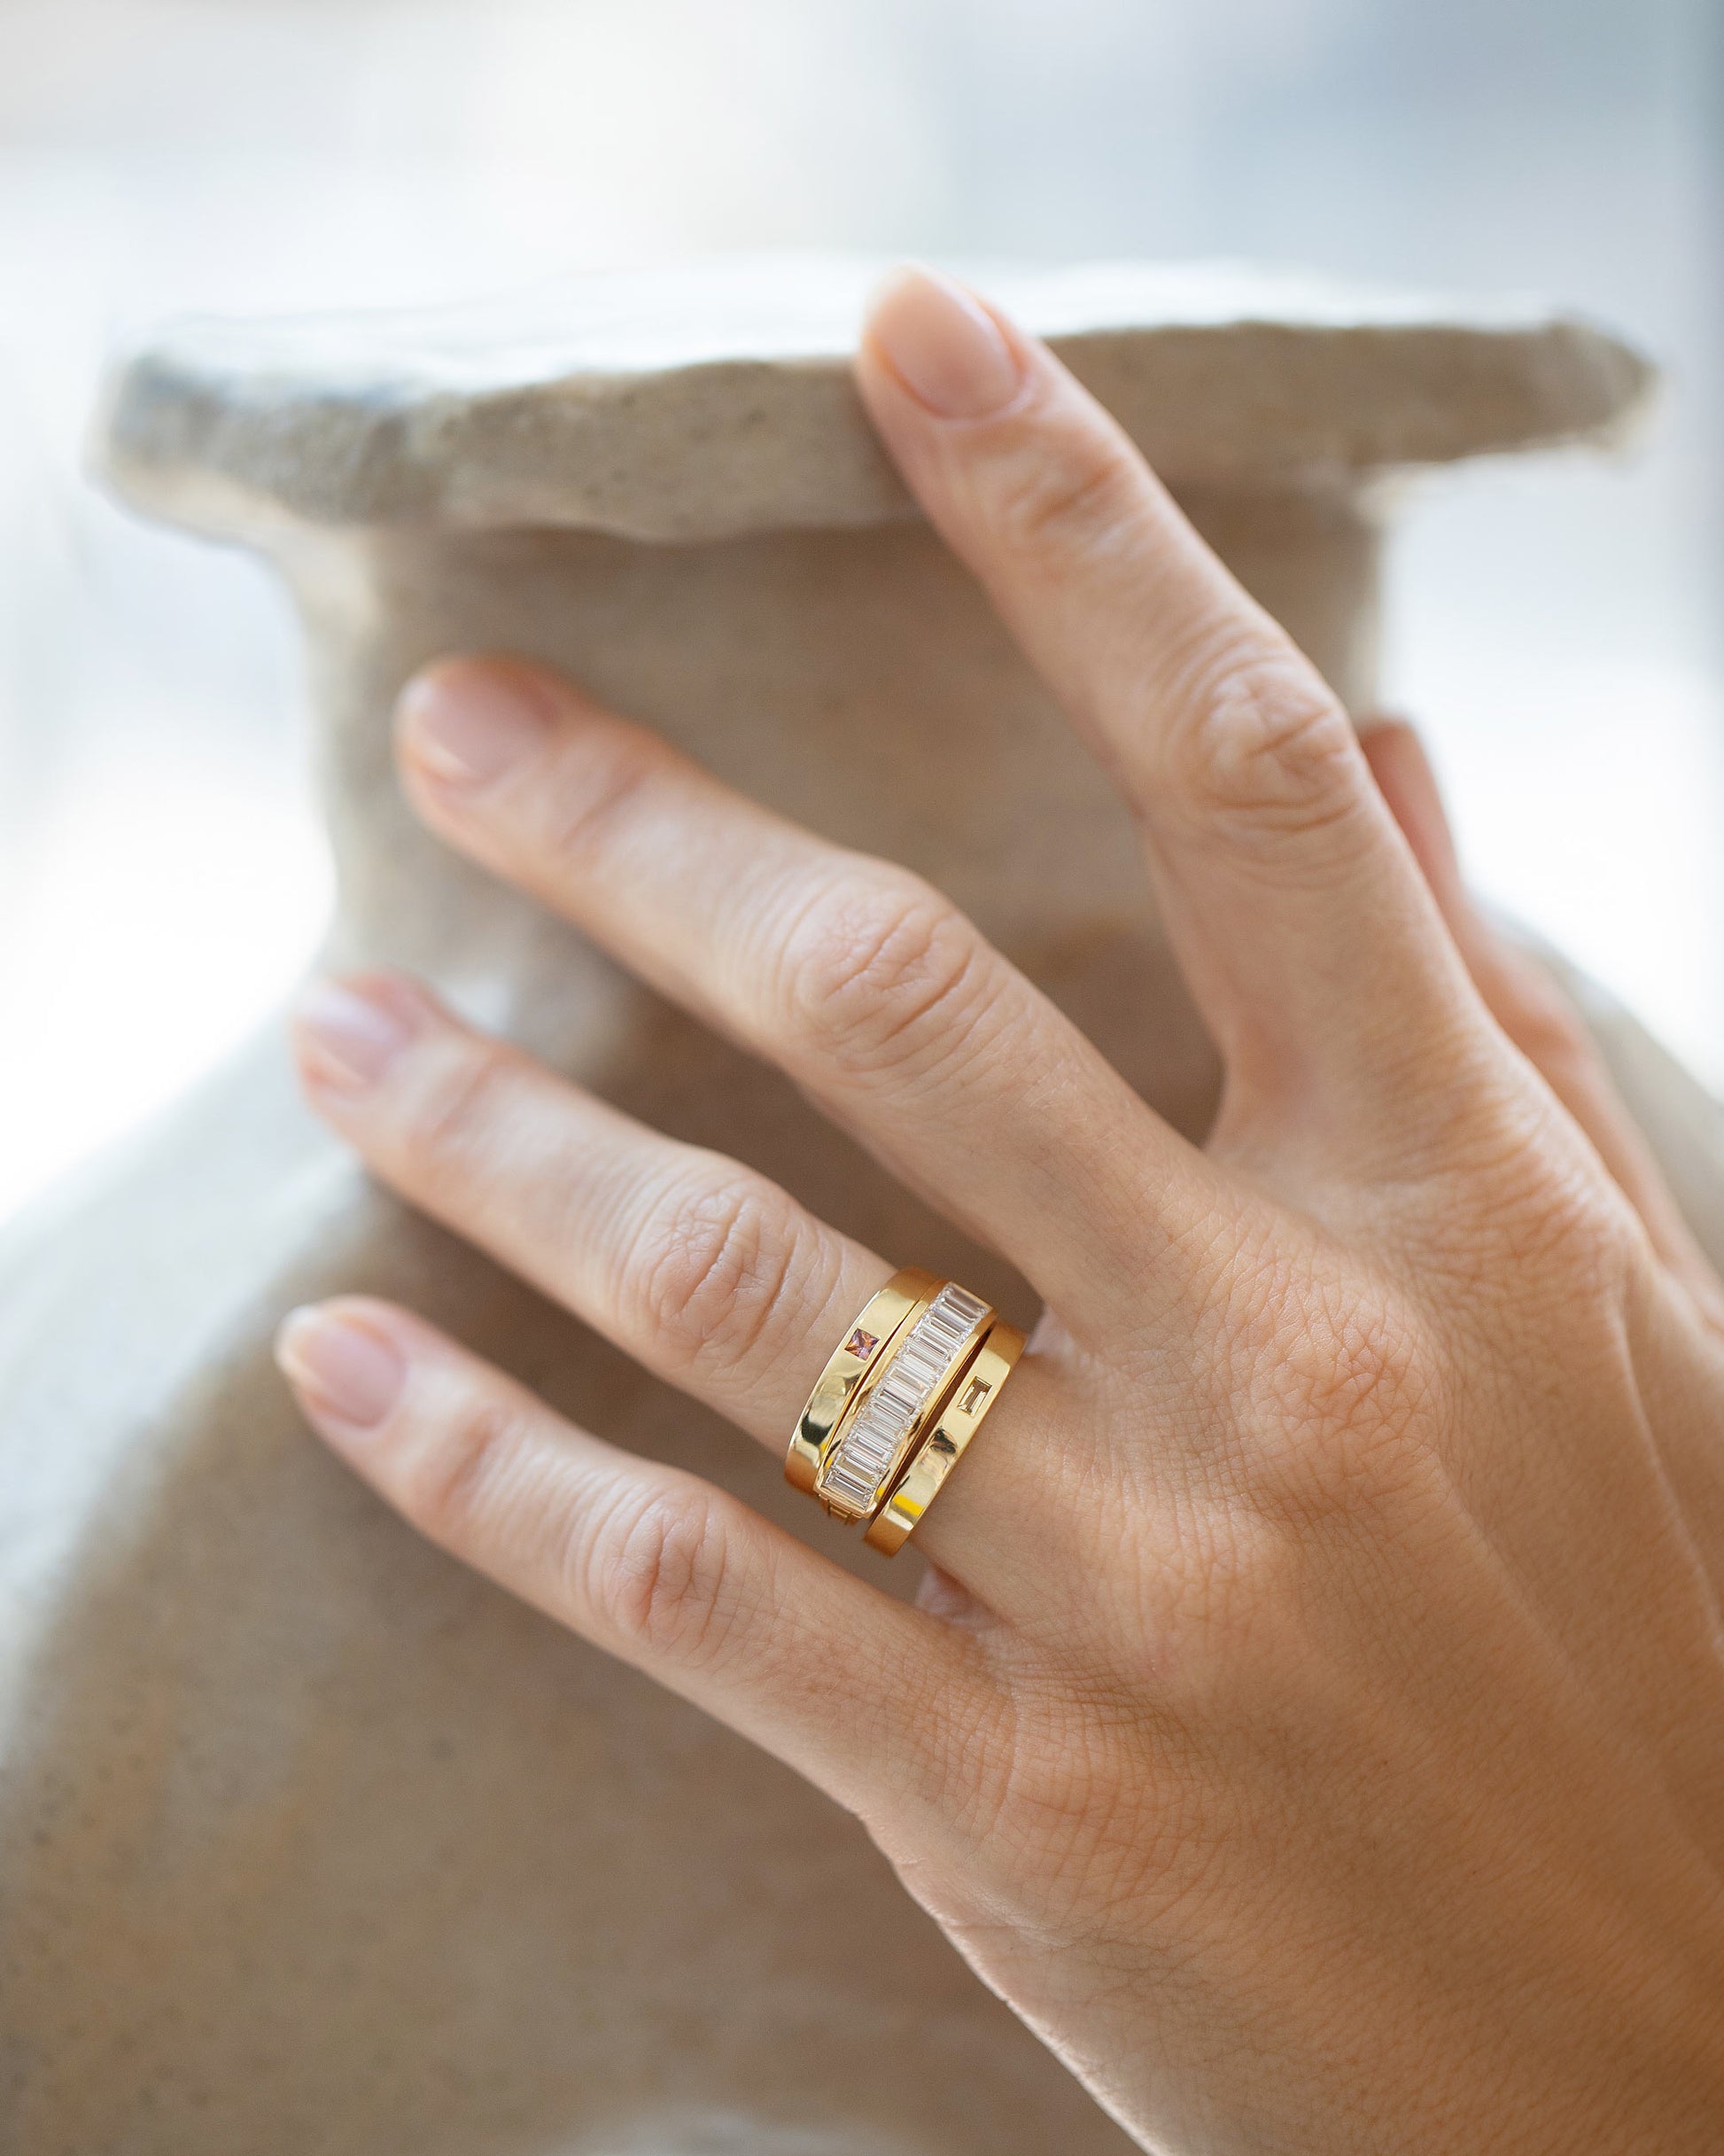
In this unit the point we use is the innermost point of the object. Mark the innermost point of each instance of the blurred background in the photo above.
(1554, 624)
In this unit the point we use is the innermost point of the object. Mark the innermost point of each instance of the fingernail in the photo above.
(345, 1369)
(467, 724)
(943, 346)
(349, 1038)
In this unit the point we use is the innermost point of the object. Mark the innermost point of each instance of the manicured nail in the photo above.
(345, 1370)
(467, 724)
(944, 347)
(348, 1037)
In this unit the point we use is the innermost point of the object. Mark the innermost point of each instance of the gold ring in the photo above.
(909, 1386)
(882, 1390)
(924, 1478)
(902, 1300)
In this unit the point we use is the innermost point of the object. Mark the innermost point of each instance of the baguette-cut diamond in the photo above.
(870, 1449)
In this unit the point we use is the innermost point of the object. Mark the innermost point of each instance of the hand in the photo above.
(1313, 1720)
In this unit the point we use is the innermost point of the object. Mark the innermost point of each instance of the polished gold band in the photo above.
(921, 1481)
(898, 1400)
(838, 1387)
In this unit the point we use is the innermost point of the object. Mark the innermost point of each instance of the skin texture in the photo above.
(1312, 1721)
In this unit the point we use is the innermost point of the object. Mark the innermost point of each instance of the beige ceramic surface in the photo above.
(311, 1840)
(704, 402)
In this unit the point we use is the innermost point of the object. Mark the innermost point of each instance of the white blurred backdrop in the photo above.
(1553, 625)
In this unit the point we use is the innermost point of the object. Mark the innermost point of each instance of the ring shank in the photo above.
(945, 1445)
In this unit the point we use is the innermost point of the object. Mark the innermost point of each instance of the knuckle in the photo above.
(591, 793)
(1343, 1396)
(710, 1264)
(1541, 1209)
(1070, 490)
(455, 1114)
(880, 974)
(1546, 1027)
(1347, 1369)
(658, 1566)
(1340, 1414)
(1566, 1060)
(450, 1492)
(1261, 745)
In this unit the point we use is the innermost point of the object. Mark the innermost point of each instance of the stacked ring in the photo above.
(897, 1402)
(873, 1440)
(837, 1389)
(942, 1448)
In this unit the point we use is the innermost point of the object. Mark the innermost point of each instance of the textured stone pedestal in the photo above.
(311, 1841)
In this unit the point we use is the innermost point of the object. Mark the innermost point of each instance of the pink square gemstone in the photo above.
(862, 1345)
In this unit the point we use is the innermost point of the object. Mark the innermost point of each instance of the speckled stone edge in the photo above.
(656, 408)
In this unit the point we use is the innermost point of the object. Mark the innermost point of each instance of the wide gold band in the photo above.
(898, 1400)
(866, 1344)
(922, 1481)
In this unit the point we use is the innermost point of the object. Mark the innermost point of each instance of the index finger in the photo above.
(1303, 926)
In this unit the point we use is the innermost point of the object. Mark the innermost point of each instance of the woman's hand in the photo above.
(1314, 1721)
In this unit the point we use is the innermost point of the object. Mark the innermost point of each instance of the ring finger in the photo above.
(706, 1272)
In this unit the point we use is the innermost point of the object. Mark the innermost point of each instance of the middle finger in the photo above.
(867, 986)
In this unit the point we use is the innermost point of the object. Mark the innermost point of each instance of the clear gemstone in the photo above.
(871, 1445)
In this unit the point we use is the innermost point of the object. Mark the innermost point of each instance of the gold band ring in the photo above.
(899, 1303)
(941, 1451)
(882, 1390)
(899, 1401)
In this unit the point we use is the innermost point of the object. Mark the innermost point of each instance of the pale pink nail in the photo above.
(345, 1368)
(945, 346)
(467, 724)
(349, 1033)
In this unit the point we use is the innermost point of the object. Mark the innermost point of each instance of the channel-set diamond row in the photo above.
(868, 1450)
